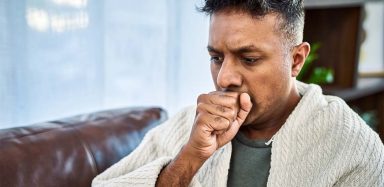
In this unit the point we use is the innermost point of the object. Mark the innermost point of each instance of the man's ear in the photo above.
(299, 54)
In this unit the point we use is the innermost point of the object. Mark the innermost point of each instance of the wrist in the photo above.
(181, 170)
(187, 156)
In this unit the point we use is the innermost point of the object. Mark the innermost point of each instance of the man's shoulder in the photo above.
(333, 112)
(337, 112)
(330, 119)
(346, 126)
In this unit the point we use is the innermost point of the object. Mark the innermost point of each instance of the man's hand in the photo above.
(219, 116)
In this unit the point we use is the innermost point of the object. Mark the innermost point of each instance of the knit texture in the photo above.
(322, 143)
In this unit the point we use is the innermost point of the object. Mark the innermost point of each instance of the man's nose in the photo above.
(229, 76)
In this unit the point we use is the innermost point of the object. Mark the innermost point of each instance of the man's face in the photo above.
(248, 55)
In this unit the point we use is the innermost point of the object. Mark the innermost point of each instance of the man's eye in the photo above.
(216, 59)
(250, 61)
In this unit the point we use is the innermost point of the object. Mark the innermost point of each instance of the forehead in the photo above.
(234, 28)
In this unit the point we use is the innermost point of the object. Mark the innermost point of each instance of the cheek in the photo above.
(280, 82)
(269, 84)
(281, 73)
(286, 68)
(263, 95)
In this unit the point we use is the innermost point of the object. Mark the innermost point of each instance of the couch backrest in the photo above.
(72, 151)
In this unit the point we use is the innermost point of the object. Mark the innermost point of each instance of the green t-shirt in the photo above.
(250, 162)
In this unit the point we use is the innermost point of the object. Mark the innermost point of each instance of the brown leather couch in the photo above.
(72, 151)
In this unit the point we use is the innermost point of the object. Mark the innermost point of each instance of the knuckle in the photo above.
(201, 97)
(200, 107)
(218, 119)
(221, 121)
(221, 109)
(227, 122)
(230, 113)
(199, 119)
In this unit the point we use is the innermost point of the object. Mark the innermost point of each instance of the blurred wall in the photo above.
(64, 57)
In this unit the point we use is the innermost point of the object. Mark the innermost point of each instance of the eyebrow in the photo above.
(212, 49)
(239, 50)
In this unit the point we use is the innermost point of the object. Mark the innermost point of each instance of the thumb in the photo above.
(245, 108)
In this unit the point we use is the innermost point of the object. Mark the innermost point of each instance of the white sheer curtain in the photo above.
(65, 57)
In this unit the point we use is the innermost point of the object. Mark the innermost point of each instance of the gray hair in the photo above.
(290, 12)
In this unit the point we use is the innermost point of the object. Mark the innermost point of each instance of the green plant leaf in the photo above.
(321, 75)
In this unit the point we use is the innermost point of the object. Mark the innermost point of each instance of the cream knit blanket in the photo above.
(322, 143)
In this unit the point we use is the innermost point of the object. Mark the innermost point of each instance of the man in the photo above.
(260, 127)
